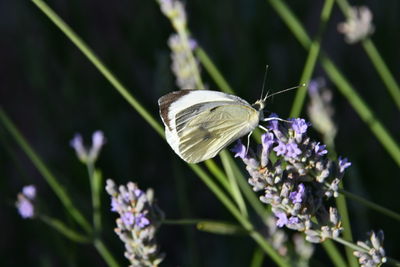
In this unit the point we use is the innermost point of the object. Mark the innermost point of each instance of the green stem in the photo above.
(340, 81)
(371, 205)
(383, 70)
(376, 59)
(312, 57)
(45, 172)
(234, 188)
(236, 213)
(60, 227)
(347, 233)
(95, 186)
(105, 253)
(362, 109)
(82, 46)
(258, 258)
(213, 71)
(334, 253)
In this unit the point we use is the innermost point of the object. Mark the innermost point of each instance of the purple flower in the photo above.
(77, 144)
(138, 192)
(29, 191)
(98, 140)
(343, 164)
(292, 150)
(296, 196)
(192, 44)
(83, 154)
(282, 219)
(280, 149)
(114, 205)
(320, 149)
(239, 149)
(141, 220)
(273, 124)
(300, 126)
(25, 207)
(293, 220)
(128, 218)
(313, 87)
(267, 140)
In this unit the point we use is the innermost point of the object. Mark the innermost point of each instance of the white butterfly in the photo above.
(200, 123)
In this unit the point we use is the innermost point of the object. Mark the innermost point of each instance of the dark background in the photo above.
(51, 91)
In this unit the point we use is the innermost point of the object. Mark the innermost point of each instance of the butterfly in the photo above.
(200, 123)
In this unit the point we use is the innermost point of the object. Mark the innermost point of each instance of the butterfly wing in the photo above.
(200, 125)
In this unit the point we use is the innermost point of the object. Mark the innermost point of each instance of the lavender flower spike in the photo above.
(139, 219)
(297, 178)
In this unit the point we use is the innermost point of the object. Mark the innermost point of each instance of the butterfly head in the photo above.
(259, 105)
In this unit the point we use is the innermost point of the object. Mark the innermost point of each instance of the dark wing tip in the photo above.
(165, 102)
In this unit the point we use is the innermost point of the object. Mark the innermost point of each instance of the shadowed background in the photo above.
(51, 91)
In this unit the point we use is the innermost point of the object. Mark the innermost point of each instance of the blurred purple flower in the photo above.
(141, 221)
(29, 191)
(128, 218)
(25, 207)
(88, 155)
(343, 164)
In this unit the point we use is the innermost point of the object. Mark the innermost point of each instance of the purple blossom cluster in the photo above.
(25, 202)
(138, 221)
(88, 155)
(296, 178)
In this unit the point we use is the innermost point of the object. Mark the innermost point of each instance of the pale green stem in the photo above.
(96, 205)
(371, 205)
(312, 57)
(105, 253)
(236, 213)
(258, 258)
(63, 229)
(347, 233)
(82, 46)
(234, 188)
(334, 253)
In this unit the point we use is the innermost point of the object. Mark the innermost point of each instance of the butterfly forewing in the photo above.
(199, 124)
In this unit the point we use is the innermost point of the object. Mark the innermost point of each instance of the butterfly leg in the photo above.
(278, 119)
(248, 142)
(263, 128)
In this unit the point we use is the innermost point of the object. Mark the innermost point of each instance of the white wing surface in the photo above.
(200, 123)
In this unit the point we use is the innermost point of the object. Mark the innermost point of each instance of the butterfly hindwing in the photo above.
(200, 123)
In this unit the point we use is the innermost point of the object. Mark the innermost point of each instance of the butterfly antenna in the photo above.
(285, 90)
(265, 78)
